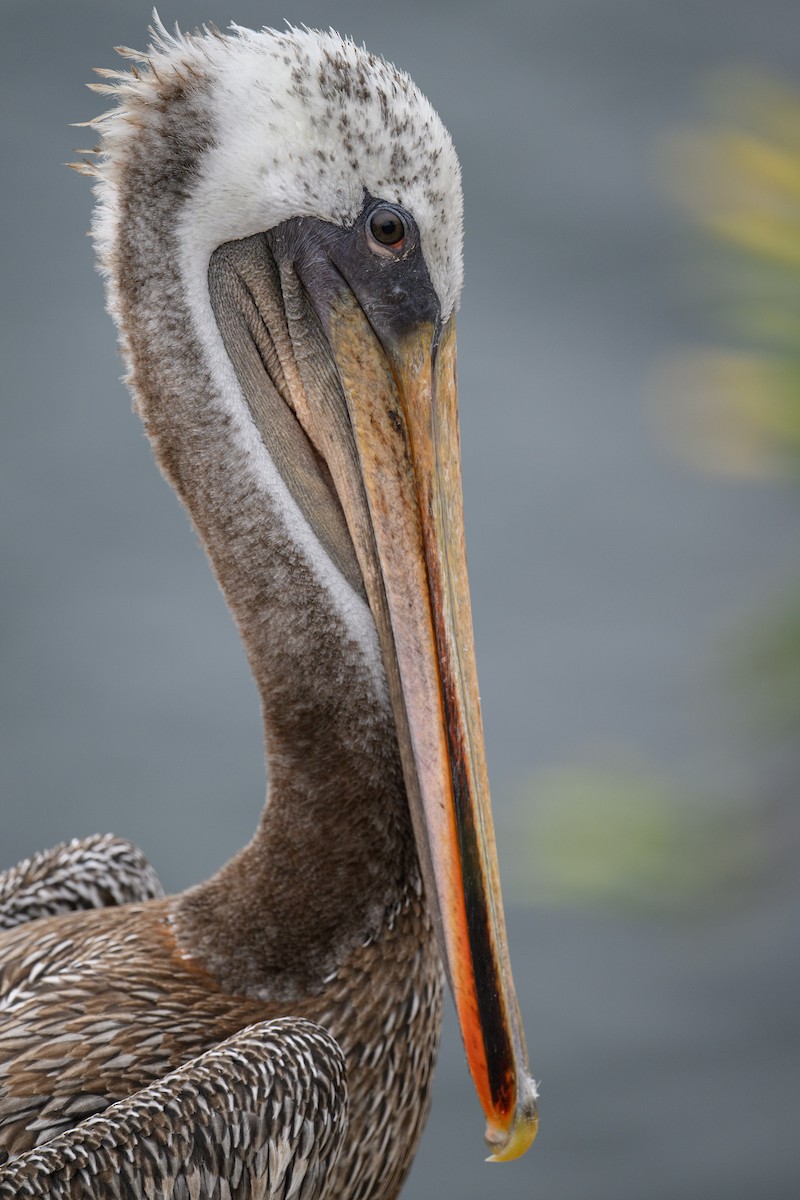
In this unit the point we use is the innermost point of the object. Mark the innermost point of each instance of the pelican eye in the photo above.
(386, 227)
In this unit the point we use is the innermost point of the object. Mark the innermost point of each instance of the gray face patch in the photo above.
(264, 341)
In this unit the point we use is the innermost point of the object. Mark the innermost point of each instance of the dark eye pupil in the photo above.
(386, 227)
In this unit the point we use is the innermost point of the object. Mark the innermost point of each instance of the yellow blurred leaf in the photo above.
(623, 838)
(726, 412)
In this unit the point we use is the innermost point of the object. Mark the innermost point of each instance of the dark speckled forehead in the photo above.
(326, 121)
(297, 124)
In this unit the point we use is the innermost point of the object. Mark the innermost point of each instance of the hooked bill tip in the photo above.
(511, 1142)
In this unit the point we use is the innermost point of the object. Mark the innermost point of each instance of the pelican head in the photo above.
(300, 276)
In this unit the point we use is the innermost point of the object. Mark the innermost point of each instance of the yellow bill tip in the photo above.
(511, 1141)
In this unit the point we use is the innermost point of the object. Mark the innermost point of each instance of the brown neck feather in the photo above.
(333, 853)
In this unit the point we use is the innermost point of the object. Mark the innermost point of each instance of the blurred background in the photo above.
(630, 393)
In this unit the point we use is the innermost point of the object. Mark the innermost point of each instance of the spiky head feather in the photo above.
(292, 123)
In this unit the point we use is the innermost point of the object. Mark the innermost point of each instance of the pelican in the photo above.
(279, 223)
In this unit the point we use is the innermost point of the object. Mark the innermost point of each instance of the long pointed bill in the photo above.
(401, 401)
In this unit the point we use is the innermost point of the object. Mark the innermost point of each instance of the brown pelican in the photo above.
(279, 223)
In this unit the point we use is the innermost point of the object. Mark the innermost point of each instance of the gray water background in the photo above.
(603, 572)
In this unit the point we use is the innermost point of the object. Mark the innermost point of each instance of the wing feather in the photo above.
(262, 1116)
(94, 872)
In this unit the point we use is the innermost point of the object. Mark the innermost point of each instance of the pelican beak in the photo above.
(402, 403)
(380, 409)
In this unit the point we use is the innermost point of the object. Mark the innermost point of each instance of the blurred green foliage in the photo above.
(620, 837)
(740, 180)
(735, 407)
